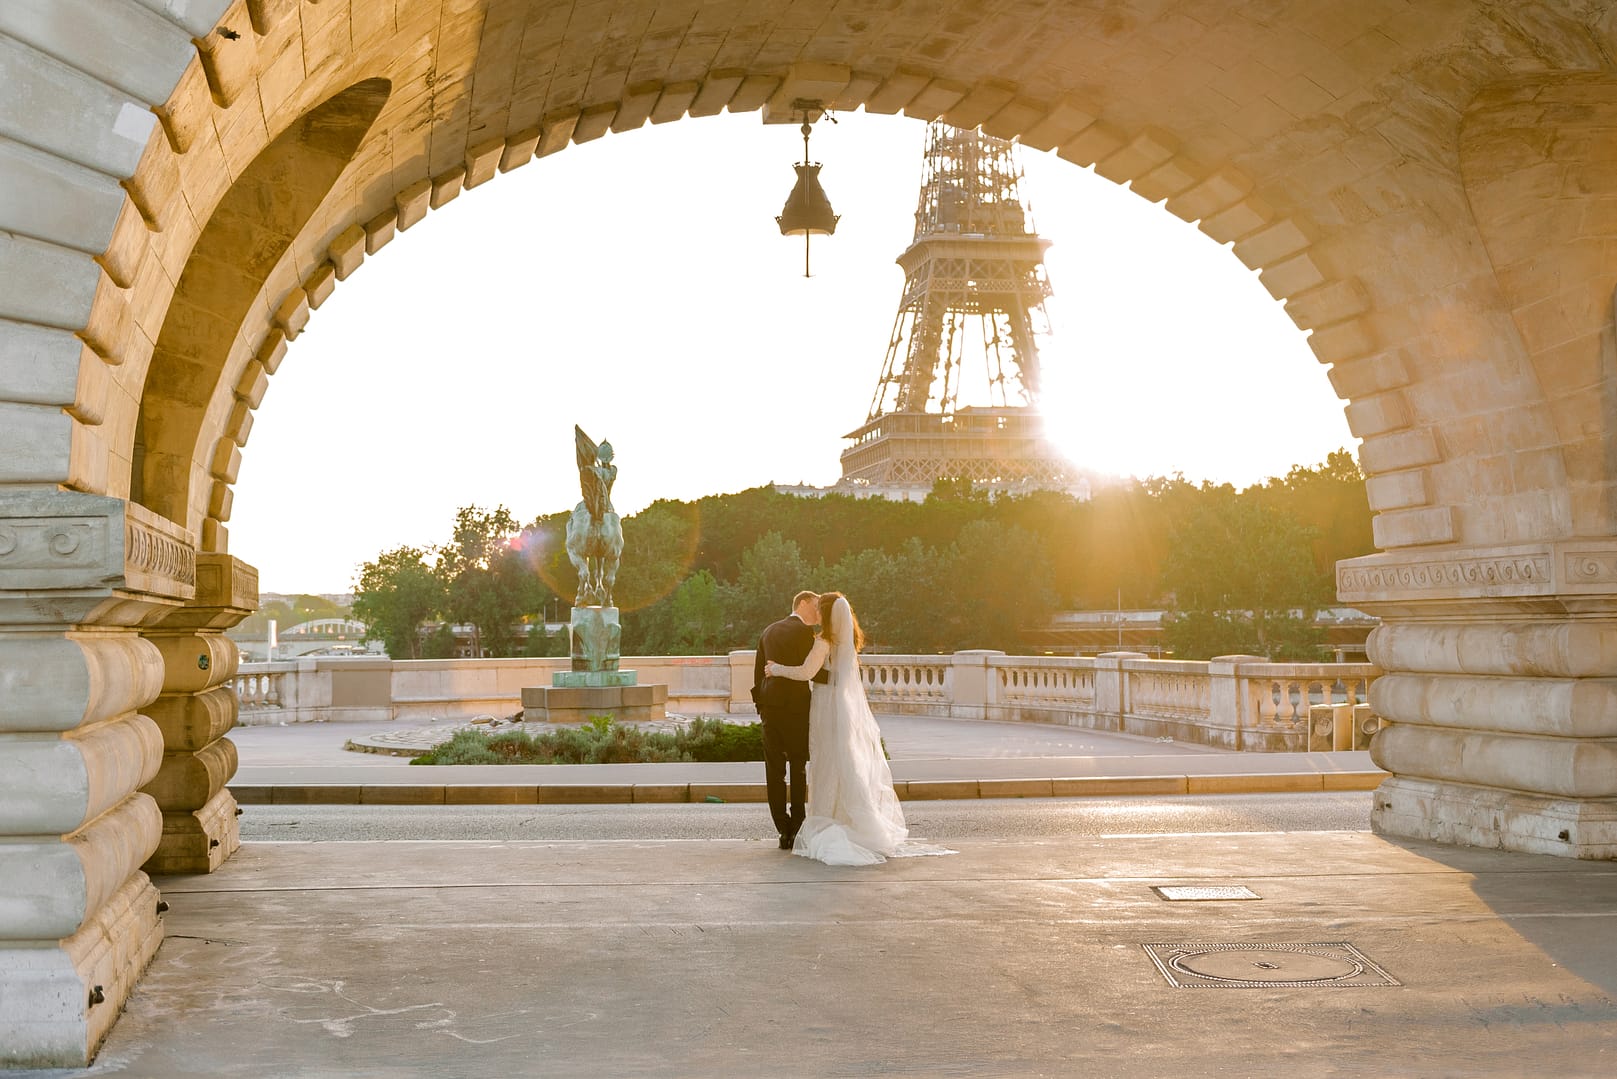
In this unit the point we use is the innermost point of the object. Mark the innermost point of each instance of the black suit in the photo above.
(783, 704)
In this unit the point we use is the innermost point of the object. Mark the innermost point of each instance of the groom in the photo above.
(783, 705)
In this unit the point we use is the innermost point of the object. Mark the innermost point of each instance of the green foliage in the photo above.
(960, 570)
(1243, 576)
(395, 594)
(601, 741)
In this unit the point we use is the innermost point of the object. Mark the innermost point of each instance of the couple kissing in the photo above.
(850, 815)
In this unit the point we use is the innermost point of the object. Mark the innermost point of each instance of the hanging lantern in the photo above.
(807, 210)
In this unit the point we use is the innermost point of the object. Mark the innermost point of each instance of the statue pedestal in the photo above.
(625, 702)
(595, 686)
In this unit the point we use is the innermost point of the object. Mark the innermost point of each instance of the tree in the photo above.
(488, 583)
(1237, 560)
(772, 572)
(395, 594)
(998, 580)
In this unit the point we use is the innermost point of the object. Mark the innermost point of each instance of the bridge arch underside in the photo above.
(1429, 192)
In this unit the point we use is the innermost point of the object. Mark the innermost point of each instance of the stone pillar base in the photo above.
(58, 1003)
(1414, 808)
(199, 841)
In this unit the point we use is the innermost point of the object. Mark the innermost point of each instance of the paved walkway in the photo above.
(931, 758)
(1015, 957)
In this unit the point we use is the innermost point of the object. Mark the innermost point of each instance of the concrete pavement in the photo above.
(931, 758)
(1013, 957)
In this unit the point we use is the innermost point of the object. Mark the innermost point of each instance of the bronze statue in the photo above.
(594, 533)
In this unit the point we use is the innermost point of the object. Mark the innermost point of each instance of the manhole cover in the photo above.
(1266, 966)
(1175, 893)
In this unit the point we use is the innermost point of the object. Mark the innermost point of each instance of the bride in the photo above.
(853, 814)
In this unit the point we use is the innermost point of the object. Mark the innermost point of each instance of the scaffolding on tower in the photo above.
(958, 397)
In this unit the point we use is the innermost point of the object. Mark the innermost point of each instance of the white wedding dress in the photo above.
(853, 813)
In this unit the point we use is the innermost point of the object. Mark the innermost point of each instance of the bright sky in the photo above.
(638, 286)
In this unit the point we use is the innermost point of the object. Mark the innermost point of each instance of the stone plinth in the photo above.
(579, 703)
(595, 637)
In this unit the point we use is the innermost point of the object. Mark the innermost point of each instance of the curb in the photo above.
(910, 791)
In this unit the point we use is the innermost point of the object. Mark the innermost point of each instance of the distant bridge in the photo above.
(1093, 632)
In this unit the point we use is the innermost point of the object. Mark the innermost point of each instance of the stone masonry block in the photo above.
(38, 365)
(239, 426)
(1062, 123)
(1223, 188)
(635, 107)
(806, 80)
(716, 91)
(936, 98)
(1399, 450)
(1237, 220)
(1295, 275)
(1398, 490)
(252, 384)
(1169, 178)
(1332, 302)
(321, 284)
(412, 203)
(519, 149)
(121, 32)
(896, 91)
(1137, 157)
(47, 285)
(228, 64)
(130, 243)
(35, 443)
(446, 186)
(1094, 143)
(221, 498)
(88, 459)
(188, 110)
(861, 84)
(272, 351)
(347, 251)
(380, 230)
(674, 100)
(215, 536)
(293, 313)
(1018, 115)
(593, 122)
(1369, 374)
(557, 132)
(225, 464)
(981, 101)
(1413, 528)
(110, 328)
(482, 162)
(1274, 242)
(44, 196)
(93, 390)
(1378, 414)
(752, 93)
(1342, 342)
(266, 15)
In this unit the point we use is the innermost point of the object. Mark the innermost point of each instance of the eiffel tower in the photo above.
(968, 326)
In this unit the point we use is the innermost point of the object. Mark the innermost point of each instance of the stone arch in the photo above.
(257, 219)
(1378, 167)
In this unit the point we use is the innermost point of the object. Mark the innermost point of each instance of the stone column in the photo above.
(197, 707)
(79, 920)
(1500, 694)
(972, 686)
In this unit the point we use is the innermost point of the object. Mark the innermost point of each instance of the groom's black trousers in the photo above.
(786, 749)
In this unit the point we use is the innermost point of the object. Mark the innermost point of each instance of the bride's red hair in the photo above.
(828, 600)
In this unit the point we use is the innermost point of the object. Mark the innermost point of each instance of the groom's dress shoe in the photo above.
(785, 842)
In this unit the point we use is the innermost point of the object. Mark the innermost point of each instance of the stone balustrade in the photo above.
(1235, 702)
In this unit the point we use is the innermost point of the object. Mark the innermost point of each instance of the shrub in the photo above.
(602, 741)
